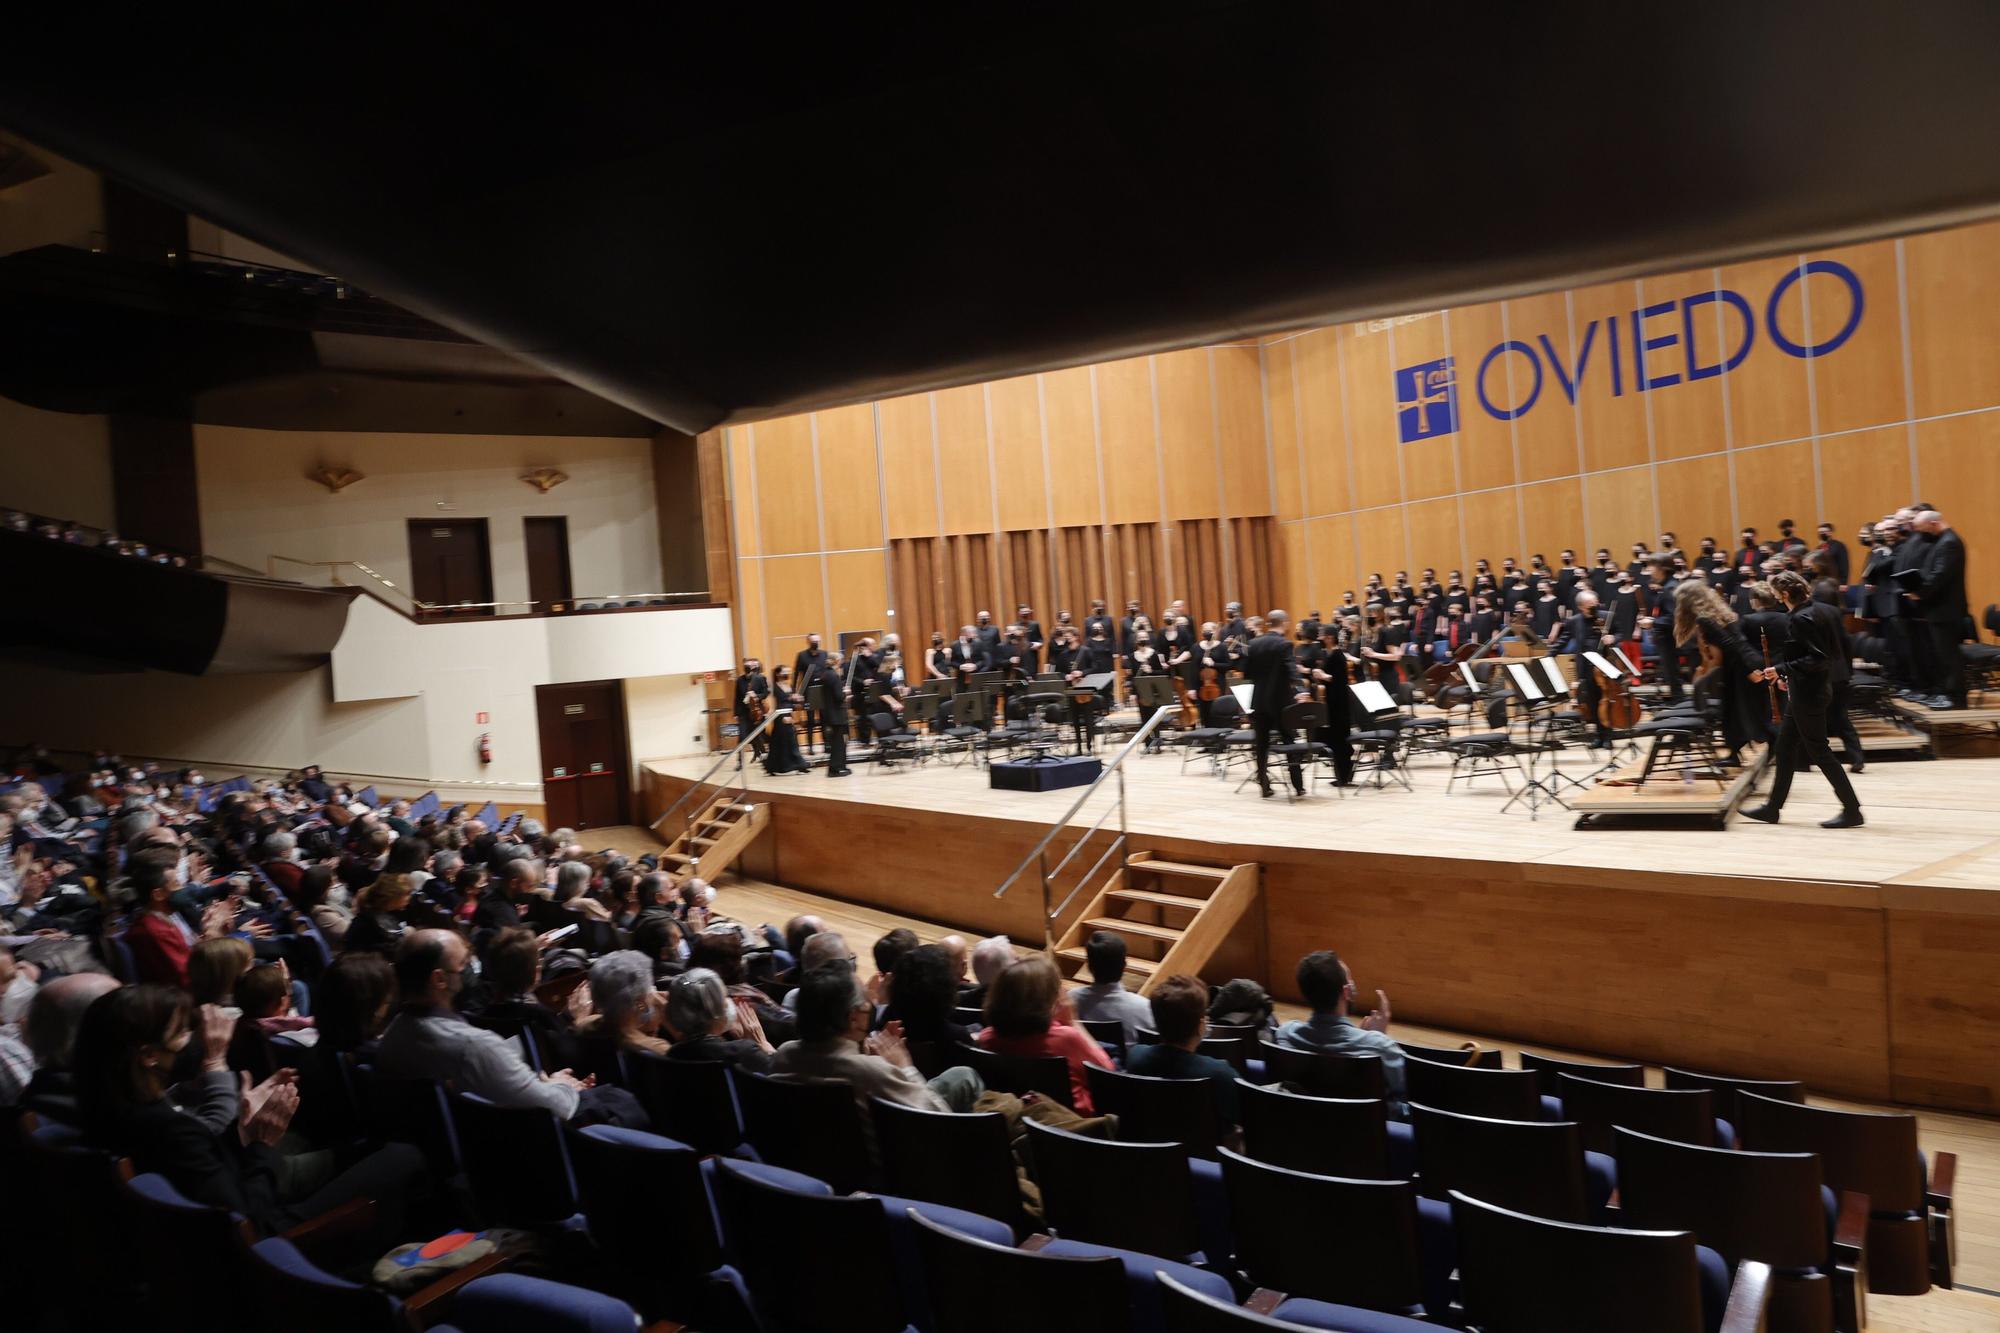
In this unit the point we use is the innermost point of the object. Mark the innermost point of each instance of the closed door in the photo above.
(451, 566)
(584, 759)
(546, 541)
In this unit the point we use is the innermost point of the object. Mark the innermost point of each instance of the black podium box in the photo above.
(1023, 775)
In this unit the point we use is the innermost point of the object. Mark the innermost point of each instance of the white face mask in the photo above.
(339, 896)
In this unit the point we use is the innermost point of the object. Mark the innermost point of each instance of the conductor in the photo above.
(1275, 685)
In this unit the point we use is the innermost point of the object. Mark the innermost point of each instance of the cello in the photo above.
(1618, 709)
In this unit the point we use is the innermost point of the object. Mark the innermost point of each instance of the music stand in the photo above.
(1154, 692)
(1376, 701)
(1087, 697)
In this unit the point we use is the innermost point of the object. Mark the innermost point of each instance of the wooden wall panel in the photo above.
(1954, 294)
(1956, 466)
(1485, 445)
(1936, 961)
(1694, 500)
(742, 506)
(1128, 441)
(850, 477)
(1239, 425)
(965, 464)
(1619, 509)
(1860, 383)
(1323, 427)
(1551, 519)
(909, 466)
(1430, 467)
(1297, 585)
(753, 635)
(1434, 531)
(1282, 415)
(1368, 378)
(787, 503)
(1776, 482)
(1863, 475)
(1544, 434)
(1071, 414)
(1492, 528)
(1609, 403)
(1187, 434)
(1020, 482)
(1381, 546)
(1768, 400)
(795, 595)
(858, 594)
(1691, 416)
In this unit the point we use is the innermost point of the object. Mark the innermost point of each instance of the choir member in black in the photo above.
(1840, 722)
(1333, 669)
(1175, 644)
(1128, 635)
(831, 680)
(752, 687)
(1700, 612)
(784, 756)
(864, 666)
(1788, 538)
(1636, 566)
(1386, 644)
(1036, 640)
(1275, 685)
(1746, 550)
(1096, 620)
(937, 662)
(1098, 656)
(1515, 591)
(1807, 680)
(1656, 621)
(1940, 602)
(1232, 626)
(1567, 578)
(1015, 664)
(1710, 559)
(1063, 650)
(1484, 622)
(1583, 632)
(986, 631)
(1143, 662)
(810, 659)
(1621, 611)
(967, 656)
(1546, 608)
(1835, 551)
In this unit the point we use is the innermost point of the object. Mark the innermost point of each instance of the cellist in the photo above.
(1583, 632)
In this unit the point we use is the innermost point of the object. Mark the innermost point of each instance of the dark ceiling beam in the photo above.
(712, 213)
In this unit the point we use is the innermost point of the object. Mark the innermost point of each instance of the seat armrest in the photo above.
(1943, 1235)
(1264, 1300)
(1850, 1263)
(350, 1218)
(1036, 1241)
(421, 1300)
(1943, 1176)
(1749, 1299)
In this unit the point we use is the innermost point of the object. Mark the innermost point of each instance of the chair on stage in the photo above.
(964, 732)
(894, 743)
(1378, 743)
(1225, 716)
(1303, 721)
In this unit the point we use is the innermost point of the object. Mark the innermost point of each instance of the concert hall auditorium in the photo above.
(1235, 666)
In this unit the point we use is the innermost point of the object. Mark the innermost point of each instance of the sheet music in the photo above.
(1371, 696)
(1524, 681)
(1471, 681)
(1604, 664)
(1243, 693)
(1558, 683)
(1630, 669)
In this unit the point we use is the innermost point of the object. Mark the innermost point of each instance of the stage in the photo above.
(1863, 961)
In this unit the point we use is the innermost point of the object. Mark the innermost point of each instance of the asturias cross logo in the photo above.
(1426, 400)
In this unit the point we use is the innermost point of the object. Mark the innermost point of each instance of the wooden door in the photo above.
(546, 542)
(585, 763)
(451, 565)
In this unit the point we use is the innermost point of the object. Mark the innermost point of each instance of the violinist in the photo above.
(1233, 628)
(783, 755)
(863, 666)
(1807, 678)
(1175, 643)
(753, 689)
(1213, 654)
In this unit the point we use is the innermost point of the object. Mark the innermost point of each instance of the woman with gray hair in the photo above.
(572, 883)
(628, 1009)
(700, 1015)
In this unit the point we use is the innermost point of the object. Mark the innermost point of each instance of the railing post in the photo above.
(1048, 925)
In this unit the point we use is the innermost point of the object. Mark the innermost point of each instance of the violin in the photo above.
(1211, 681)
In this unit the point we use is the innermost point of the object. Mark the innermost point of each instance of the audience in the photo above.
(628, 1009)
(989, 958)
(49, 1033)
(1324, 981)
(1027, 1014)
(924, 998)
(1179, 1006)
(1106, 998)
(700, 1019)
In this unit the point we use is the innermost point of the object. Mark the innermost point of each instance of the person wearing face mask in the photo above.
(428, 1039)
(159, 938)
(216, 1137)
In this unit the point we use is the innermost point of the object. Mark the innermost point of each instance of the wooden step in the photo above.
(1146, 929)
(1143, 965)
(703, 842)
(1175, 868)
(1157, 899)
(675, 856)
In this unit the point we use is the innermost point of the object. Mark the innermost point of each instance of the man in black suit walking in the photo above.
(810, 659)
(1807, 678)
(1275, 685)
(833, 704)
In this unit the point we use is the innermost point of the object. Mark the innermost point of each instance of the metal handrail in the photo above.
(1039, 854)
(424, 606)
(742, 783)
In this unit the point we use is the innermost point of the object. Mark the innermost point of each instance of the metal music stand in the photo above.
(1087, 698)
(1153, 692)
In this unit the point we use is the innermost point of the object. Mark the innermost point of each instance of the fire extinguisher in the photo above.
(485, 747)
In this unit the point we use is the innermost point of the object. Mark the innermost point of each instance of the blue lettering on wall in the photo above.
(1427, 398)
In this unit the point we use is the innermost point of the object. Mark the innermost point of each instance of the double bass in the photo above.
(1618, 709)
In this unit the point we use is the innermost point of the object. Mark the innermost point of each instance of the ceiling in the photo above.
(715, 213)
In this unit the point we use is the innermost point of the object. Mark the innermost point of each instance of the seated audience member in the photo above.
(381, 909)
(326, 902)
(572, 891)
(264, 994)
(216, 1143)
(827, 948)
(351, 1006)
(213, 967)
(468, 886)
(924, 997)
(721, 951)
(159, 938)
(1026, 1014)
(1324, 981)
(628, 1009)
(660, 938)
(1180, 1015)
(49, 1032)
(1106, 998)
(989, 958)
(426, 1039)
(834, 1043)
(700, 1018)
(888, 949)
(1243, 1003)
(512, 969)
(368, 844)
(278, 857)
(961, 958)
(797, 931)
(18, 983)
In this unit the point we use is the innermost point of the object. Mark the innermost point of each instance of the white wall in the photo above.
(257, 502)
(664, 717)
(56, 463)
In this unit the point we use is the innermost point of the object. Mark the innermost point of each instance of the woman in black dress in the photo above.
(783, 754)
(1699, 611)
